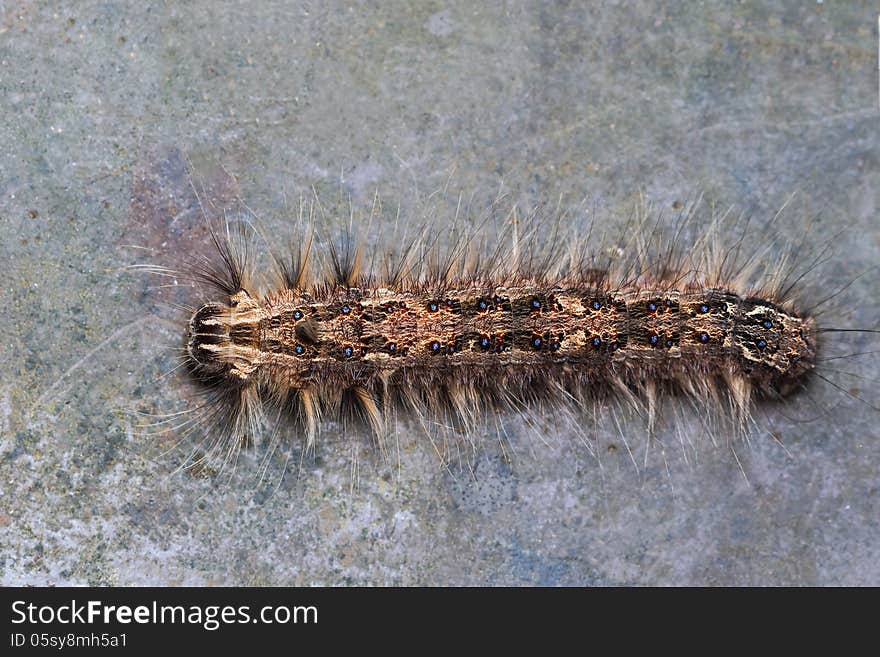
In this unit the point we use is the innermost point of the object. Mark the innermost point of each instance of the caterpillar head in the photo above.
(222, 339)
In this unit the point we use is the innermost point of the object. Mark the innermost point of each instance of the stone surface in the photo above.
(107, 109)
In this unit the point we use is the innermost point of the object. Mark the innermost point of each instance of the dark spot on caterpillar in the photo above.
(348, 352)
(485, 342)
(767, 324)
(434, 346)
(704, 308)
(299, 349)
(307, 331)
(761, 344)
(402, 304)
(433, 307)
(501, 302)
(704, 337)
(298, 314)
(654, 339)
(391, 347)
(536, 304)
(597, 342)
(537, 342)
(346, 310)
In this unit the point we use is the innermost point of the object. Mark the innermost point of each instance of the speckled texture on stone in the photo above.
(106, 104)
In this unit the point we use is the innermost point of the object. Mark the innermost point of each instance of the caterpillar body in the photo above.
(458, 346)
(540, 319)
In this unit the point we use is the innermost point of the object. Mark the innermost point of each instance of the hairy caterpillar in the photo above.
(555, 316)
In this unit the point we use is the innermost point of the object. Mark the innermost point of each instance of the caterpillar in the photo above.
(540, 315)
